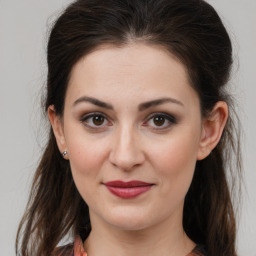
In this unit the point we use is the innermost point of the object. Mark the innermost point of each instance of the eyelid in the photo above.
(164, 114)
(171, 119)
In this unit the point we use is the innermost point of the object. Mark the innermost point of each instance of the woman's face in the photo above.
(132, 129)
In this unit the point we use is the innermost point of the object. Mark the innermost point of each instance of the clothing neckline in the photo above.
(80, 251)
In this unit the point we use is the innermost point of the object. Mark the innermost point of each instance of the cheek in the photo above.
(86, 162)
(175, 161)
(86, 158)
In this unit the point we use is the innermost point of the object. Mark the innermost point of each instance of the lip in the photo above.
(130, 189)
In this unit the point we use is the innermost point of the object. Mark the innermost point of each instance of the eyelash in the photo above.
(166, 117)
(85, 118)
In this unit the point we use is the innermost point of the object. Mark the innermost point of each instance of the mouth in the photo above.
(129, 189)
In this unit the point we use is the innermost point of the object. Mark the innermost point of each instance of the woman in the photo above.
(138, 150)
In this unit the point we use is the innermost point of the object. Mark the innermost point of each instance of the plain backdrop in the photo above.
(24, 28)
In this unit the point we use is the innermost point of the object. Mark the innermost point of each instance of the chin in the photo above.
(127, 225)
(130, 221)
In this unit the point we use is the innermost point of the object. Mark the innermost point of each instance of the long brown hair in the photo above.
(193, 32)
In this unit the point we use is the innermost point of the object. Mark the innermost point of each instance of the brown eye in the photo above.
(98, 120)
(159, 120)
(95, 120)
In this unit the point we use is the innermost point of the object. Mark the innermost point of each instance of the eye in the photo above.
(160, 121)
(95, 120)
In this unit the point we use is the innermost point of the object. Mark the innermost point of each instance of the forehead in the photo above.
(140, 70)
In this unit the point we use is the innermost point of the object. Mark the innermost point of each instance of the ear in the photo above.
(57, 126)
(212, 129)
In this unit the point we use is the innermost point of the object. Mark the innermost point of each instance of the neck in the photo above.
(166, 238)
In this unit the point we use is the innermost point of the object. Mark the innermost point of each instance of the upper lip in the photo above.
(129, 184)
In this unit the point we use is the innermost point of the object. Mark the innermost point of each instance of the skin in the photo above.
(130, 144)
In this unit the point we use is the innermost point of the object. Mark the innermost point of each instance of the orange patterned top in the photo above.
(77, 249)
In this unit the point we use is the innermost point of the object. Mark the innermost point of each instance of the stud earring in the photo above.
(65, 155)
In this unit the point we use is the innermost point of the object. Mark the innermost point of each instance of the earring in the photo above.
(65, 155)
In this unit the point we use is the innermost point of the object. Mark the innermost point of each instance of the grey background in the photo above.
(24, 26)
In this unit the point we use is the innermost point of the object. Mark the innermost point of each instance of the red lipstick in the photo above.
(129, 189)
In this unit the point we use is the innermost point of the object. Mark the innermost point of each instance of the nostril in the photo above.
(126, 160)
(126, 152)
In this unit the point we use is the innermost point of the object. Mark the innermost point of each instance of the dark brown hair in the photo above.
(193, 32)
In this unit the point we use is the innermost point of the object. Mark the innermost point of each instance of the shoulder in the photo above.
(66, 250)
(73, 249)
(199, 250)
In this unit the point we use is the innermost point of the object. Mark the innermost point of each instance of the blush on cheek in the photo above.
(176, 161)
(86, 157)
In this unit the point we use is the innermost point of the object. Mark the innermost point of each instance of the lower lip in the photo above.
(130, 192)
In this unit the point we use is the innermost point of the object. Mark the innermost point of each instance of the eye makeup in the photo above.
(156, 121)
(95, 120)
(160, 121)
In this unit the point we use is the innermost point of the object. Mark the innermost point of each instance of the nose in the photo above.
(126, 151)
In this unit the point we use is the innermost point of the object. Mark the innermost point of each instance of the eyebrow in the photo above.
(148, 104)
(94, 102)
(143, 106)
